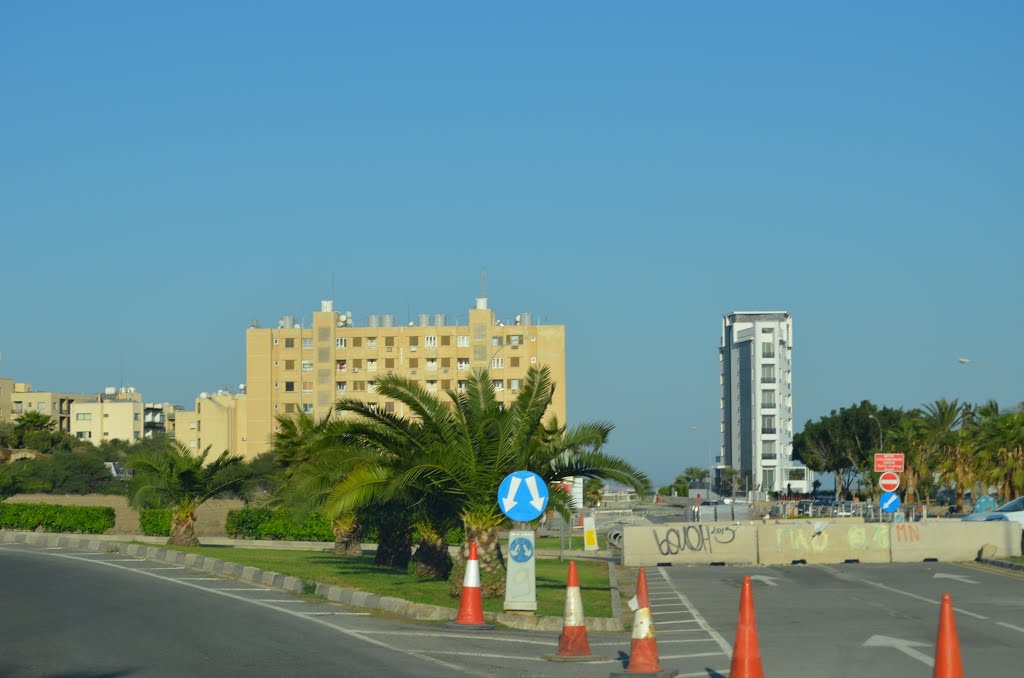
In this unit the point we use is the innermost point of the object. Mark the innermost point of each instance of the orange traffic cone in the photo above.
(573, 644)
(643, 652)
(947, 646)
(471, 608)
(746, 653)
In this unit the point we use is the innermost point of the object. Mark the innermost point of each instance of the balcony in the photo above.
(770, 431)
(767, 354)
(767, 380)
(768, 406)
(769, 456)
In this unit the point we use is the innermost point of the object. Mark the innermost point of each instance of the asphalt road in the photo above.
(67, 613)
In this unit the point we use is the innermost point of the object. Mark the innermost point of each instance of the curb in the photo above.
(1002, 563)
(276, 580)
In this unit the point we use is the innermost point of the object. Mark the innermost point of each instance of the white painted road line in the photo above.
(722, 643)
(198, 579)
(680, 621)
(1011, 626)
(251, 589)
(507, 657)
(689, 656)
(922, 598)
(338, 614)
(661, 605)
(352, 633)
(180, 567)
(278, 600)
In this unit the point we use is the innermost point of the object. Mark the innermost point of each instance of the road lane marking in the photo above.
(1011, 626)
(192, 578)
(513, 657)
(957, 577)
(277, 600)
(340, 614)
(722, 643)
(250, 589)
(315, 620)
(679, 621)
(907, 647)
(180, 567)
(689, 656)
(922, 598)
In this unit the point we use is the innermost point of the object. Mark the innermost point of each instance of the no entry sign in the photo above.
(889, 462)
(889, 481)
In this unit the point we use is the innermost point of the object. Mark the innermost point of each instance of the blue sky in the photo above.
(170, 172)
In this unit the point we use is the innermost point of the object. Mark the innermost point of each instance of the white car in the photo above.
(1013, 511)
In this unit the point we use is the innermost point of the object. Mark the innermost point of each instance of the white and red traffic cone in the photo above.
(471, 608)
(573, 644)
(643, 652)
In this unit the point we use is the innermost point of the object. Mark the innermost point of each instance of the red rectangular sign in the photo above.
(889, 462)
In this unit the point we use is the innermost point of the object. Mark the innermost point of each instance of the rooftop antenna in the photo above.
(332, 285)
(483, 282)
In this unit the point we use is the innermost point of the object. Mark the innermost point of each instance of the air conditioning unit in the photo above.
(413, 348)
(389, 349)
(355, 369)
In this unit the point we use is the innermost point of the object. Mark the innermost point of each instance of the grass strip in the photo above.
(360, 573)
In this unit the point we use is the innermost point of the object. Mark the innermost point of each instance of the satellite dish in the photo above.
(518, 317)
(241, 387)
(343, 318)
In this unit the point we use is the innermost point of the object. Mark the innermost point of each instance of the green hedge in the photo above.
(259, 523)
(155, 522)
(56, 518)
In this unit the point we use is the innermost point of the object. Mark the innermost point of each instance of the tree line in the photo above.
(946, 443)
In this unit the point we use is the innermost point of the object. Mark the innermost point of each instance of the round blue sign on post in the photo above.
(889, 501)
(523, 496)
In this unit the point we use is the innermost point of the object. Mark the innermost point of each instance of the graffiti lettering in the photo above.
(693, 538)
(907, 534)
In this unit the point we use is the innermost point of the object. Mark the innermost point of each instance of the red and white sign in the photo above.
(889, 481)
(889, 462)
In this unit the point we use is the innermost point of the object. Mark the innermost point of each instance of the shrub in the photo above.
(155, 522)
(55, 518)
(256, 523)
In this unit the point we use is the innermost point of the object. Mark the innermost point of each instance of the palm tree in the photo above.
(180, 480)
(1001, 438)
(695, 475)
(312, 467)
(909, 437)
(950, 444)
(460, 446)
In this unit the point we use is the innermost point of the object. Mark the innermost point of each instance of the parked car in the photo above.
(1013, 511)
(841, 509)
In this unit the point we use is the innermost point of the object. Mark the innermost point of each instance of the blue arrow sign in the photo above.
(890, 501)
(523, 496)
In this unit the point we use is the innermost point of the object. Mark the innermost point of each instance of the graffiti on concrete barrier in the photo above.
(907, 534)
(693, 538)
(808, 540)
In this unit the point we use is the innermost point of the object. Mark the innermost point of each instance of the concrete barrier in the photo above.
(689, 543)
(822, 543)
(953, 540)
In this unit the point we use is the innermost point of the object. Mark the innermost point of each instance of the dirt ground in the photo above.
(210, 518)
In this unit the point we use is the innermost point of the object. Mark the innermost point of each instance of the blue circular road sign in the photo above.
(889, 501)
(523, 496)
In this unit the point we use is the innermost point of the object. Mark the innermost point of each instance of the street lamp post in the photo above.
(871, 416)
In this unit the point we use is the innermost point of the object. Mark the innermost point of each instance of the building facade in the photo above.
(6, 394)
(291, 369)
(52, 403)
(756, 359)
(218, 422)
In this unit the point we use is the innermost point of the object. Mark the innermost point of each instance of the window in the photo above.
(84, 435)
(767, 330)
(497, 363)
(358, 385)
(371, 386)
(276, 341)
(371, 342)
(768, 424)
(137, 416)
(446, 340)
(414, 342)
(289, 408)
(307, 365)
(414, 363)
(430, 341)
(767, 479)
(289, 364)
(462, 341)
(499, 384)
(341, 365)
(289, 343)
(340, 386)
(463, 364)
(83, 416)
(431, 363)
(496, 341)
(446, 363)
(462, 385)
(767, 374)
(276, 363)
(307, 344)
(768, 450)
(767, 399)
(356, 364)
(513, 362)
(389, 342)
(371, 364)
(389, 363)
(357, 342)
(389, 407)
(340, 342)
(767, 349)
(431, 385)
(513, 384)
(446, 384)
(289, 386)
(307, 408)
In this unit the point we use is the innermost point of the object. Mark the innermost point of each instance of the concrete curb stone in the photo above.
(396, 606)
(1002, 563)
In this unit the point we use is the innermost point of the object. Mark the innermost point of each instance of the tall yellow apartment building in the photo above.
(292, 368)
